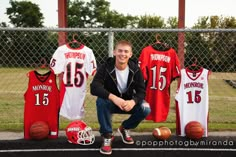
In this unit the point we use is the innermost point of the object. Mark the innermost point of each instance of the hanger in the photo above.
(42, 67)
(74, 43)
(194, 66)
(158, 45)
(157, 37)
(43, 63)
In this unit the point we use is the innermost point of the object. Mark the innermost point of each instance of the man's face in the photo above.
(122, 53)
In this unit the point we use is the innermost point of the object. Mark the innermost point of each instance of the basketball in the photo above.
(39, 130)
(161, 133)
(194, 130)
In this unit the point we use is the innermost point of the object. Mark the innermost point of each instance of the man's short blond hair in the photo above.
(124, 42)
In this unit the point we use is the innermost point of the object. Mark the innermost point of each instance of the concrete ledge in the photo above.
(20, 135)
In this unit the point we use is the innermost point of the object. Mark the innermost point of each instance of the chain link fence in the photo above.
(24, 49)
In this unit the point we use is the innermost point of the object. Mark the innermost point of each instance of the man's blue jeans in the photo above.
(105, 109)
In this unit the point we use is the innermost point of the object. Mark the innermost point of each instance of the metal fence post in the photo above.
(110, 43)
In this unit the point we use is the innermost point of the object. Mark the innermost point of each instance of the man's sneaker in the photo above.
(106, 146)
(112, 138)
(125, 135)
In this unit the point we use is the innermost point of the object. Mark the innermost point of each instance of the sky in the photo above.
(164, 8)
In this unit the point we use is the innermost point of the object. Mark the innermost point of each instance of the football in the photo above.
(161, 133)
(39, 130)
(194, 130)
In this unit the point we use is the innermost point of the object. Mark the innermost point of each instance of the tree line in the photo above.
(213, 50)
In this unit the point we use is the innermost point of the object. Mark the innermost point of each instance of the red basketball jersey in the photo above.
(41, 102)
(159, 68)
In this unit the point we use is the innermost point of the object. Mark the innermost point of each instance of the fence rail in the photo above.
(22, 49)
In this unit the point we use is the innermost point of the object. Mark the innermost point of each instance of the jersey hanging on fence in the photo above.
(160, 66)
(75, 64)
(192, 100)
(41, 102)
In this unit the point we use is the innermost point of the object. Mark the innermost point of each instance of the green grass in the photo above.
(13, 84)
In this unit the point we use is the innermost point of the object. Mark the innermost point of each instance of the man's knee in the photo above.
(100, 102)
(103, 103)
(146, 108)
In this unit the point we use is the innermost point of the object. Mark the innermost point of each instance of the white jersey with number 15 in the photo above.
(76, 65)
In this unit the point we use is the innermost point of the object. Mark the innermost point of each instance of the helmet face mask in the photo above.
(85, 137)
(78, 132)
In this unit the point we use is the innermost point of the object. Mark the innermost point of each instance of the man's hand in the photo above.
(128, 105)
(124, 105)
(117, 101)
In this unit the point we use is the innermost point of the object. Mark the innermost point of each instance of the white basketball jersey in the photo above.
(192, 100)
(76, 64)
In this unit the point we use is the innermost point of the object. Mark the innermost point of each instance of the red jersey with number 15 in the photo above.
(159, 68)
(41, 102)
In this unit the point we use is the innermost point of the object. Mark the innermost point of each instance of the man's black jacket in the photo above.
(105, 82)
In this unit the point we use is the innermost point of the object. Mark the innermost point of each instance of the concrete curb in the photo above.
(20, 135)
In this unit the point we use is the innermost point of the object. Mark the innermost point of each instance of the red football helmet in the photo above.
(78, 132)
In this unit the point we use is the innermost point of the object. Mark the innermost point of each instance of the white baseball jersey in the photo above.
(76, 65)
(192, 100)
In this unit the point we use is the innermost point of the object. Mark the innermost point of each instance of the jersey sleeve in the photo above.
(91, 65)
(58, 61)
(143, 63)
(177, 94)
(175, 66)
